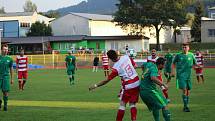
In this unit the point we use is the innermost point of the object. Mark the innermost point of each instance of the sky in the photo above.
(42, 5)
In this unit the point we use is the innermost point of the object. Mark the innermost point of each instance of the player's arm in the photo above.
(113, 74)
(133, 63)
(11, 71)
(17, 64)
(173, 66)
(158, 82)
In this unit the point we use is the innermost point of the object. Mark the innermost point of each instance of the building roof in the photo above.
(97, 17)
(17, 14)
(212, 8)
(113, 37)
(207, 19)
(39, 40)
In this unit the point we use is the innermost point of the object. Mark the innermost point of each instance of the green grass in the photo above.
(49, 97)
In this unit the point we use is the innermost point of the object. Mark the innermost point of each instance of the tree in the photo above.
(2, 10)
(29, 6)
(51, 14)
(196, 26)
(40, 29)
(137, 14)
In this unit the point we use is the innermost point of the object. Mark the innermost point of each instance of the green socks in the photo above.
(166, 115)
(5, 98)
(185, 100)
(156, 115)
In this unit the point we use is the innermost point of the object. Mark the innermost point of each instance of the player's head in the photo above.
(153, 52)
(168, 50)
(160, 63)
(22, 51)
(197, 52)
(70, 52)
(4, 49)
(112, 55)
(185, 47)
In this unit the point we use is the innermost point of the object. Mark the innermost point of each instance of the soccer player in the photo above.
(199, 70)
(22, 69)
(95, 64)
(71, 67)
(105, 63)
(153, 58)
(124, 68)
(167, 70)
(6, 74)
(149, 93)
(183, 63)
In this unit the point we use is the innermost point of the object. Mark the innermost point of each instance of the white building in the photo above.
(207, 30)
(25, 20)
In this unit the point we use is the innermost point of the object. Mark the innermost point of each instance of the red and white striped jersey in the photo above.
(152, 59)
(124, 68)
(22, 63)
(105, 60)
(199, 59)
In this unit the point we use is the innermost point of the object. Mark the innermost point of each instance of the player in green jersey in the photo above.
(149, 93)
(71, 67)
(183, 62)
(168, 64)
(6, 74)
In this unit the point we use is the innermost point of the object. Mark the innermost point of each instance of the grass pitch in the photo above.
(49, 97)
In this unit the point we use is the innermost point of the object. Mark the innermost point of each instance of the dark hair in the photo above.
(186, 43)
(161, 61)
(112, 55)
(4, 45)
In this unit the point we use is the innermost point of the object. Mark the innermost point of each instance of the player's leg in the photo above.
(1, 83)
(5, 90)
(133, 111)
(198, 78)
(203, 80)
(25, 76)
(94, 68)
(166, 113)
(5, 99)
(121, 111)
(73, 76)
(198, 75)
(185, 98)
(20, 79)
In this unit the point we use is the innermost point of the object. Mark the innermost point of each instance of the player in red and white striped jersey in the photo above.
(105, 64)
(153, 58)
(22, 69)
(199, 70)
(124, 68)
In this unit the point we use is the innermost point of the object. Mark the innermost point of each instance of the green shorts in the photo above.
(153, 99)
(70, 72)
(184, 84)
(167, 70)
(5, 84)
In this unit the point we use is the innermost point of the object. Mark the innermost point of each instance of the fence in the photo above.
(58, 60)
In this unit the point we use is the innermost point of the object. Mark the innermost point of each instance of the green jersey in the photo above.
(150, 70)
(184, 65)
(6, 62)
(70, 62)
(169, 59)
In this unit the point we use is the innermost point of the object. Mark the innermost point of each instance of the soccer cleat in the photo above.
(0, 103)
(186, 109)
(5, 108)
(168, 100)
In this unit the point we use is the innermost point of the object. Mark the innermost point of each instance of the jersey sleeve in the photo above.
(153, 71)
(175, 59)
(113, 74)
(194, 60)
(11, 63)
(133, 63)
